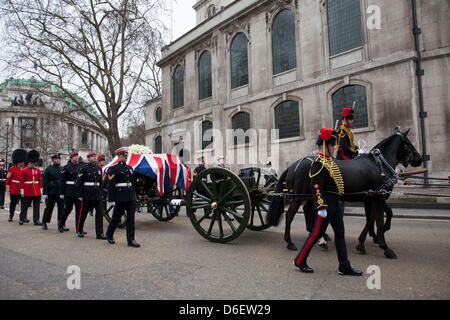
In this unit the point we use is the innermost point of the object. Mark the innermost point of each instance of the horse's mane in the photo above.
(384, 142)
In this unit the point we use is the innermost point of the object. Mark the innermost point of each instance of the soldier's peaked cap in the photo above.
(122, 150)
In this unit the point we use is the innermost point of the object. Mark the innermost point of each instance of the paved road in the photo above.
(174, 262)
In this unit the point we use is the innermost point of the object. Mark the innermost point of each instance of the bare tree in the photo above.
(100, 49)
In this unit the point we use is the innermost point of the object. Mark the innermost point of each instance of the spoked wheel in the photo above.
(161, 208)
(218, 205)
(260, 208)
(108, 212)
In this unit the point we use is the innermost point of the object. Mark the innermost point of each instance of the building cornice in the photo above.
(229, 14)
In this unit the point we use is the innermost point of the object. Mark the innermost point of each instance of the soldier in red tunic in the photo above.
(31, 186)
(13, 180)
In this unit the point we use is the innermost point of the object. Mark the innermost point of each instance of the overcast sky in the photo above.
(183, 17)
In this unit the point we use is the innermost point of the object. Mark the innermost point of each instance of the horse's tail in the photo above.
(276, 207)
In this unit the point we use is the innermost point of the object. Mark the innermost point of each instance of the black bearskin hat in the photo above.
(19, 155)
(33, 156)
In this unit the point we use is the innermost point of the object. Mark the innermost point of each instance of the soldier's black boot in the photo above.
(80, 234)
(304, 267)
(133, 243)
(44, 226)
(10, 219)
(349, 271)
(111, 240)
(101, 237)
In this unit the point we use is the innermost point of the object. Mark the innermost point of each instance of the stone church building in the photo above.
(252, 66)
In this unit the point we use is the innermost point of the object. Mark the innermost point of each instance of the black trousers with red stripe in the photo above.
(86, 206)
(335, 217)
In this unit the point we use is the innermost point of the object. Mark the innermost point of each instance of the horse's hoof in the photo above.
(361, 249)
(292, 247)
(390, 254)
(375, 240)
(324, 246)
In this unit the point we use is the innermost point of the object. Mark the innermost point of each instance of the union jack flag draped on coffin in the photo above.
(166, 169)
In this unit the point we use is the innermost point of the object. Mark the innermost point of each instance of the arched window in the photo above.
(204, 75)
(287, 119)
(239, 60)
(240, 123)
(158, 144)
(344, 25)
(206, 134)
(344, 97)
(211, 11)
(283, 42)
(158, 114)
(178, 87)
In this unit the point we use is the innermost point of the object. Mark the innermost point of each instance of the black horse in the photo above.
(362, 174)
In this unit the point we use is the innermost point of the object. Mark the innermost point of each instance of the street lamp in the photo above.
(7, 136)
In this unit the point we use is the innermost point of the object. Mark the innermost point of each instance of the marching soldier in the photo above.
(345, 147)
(89, 186)
(31, 185)
(101, 160)
(13, 180)
(326, 185)
(68, 191)
(2, 183)
(122, 195)
(51, 184)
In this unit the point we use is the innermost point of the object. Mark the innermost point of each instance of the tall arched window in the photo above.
(239, 60)
(206, 134)
(344, 25)
(344, 97)
(178, 87)
(283, 42)
(205, 75)
(158, 144)
(287, 119)
(240, 123)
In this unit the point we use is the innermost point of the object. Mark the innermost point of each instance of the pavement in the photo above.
(175, 262)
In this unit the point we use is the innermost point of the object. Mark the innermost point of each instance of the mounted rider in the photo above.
(327, 186)
(345, 146)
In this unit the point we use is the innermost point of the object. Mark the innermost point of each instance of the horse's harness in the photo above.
(380, 161)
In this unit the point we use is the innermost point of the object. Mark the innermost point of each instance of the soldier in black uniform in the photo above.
(50, 190)
(200, 189)
(122, 195)
(327, 186)
(345, 147)
(89, 188)
(2, 183)
(68, 191)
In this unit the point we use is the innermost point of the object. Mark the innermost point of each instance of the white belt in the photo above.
(15, 181)
(91, 184)
(125, 184)
(70, 182)
(31, 182)
(2, 179)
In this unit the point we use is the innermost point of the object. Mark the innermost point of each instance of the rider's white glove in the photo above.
(322, 213)
(61, 196)
(80, 198)
(112, 204)
(45, 196)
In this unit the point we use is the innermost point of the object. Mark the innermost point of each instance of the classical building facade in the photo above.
(34, 115)
(294, 65)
